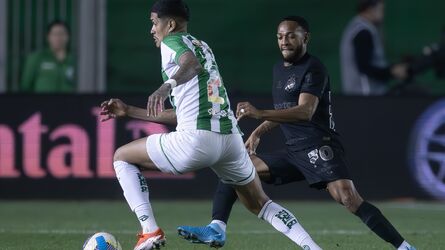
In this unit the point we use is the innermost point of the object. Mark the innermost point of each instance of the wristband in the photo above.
(172, 82)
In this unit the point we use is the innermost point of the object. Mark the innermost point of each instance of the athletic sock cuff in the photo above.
(263, 209)
(369, 214)
(119, 164)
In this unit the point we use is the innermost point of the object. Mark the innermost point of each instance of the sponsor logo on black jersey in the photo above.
(313, 156)
(291, 83)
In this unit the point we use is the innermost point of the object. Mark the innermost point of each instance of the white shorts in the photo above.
(185, 151)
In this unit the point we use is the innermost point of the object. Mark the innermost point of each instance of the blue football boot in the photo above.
(211, 235)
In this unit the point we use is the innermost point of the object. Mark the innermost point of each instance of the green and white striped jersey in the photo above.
(201, 103)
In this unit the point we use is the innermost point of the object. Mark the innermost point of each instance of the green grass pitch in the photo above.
(51, 225)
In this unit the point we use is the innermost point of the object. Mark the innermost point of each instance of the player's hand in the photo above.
(400, 71)
(113, 108)
(245, 109)
(252, 143)
(155, 103)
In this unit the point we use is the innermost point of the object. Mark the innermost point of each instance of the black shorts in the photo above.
(318, 165)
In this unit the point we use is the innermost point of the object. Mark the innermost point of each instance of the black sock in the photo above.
(223, 200)
(374, 219)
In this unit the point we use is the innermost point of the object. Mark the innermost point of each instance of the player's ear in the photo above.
(171, 25)
(307, 37)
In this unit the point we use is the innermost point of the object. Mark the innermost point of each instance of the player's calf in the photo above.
(344, 192)
(252, 195)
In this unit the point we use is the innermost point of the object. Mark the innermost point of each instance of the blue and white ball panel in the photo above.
(102, 241)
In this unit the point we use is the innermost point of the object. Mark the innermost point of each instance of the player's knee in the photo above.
(337, 198)
(349, 199)
(119, 154)
(264, 176)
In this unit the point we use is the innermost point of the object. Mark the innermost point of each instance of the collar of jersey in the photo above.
(176, 34)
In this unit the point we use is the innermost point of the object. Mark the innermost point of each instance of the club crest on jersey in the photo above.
(313, 156)
(326, 153)
(291, 82)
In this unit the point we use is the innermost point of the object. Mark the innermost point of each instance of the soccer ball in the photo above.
(102, 241)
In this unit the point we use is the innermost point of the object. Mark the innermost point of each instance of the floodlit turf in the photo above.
(66, 225)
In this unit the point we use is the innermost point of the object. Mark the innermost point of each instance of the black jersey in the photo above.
(307, 75)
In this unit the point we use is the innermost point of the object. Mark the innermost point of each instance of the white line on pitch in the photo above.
(80, 231)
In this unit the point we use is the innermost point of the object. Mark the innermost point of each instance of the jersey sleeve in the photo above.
(315, 81)
(29, 73)
(363, 48)
(176, 44)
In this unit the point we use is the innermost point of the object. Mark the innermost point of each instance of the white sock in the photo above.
(136, 193)
(285, 222)
(221, 224)
(405, 245)
(146, 218)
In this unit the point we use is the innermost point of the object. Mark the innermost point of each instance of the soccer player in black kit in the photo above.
(302, 102)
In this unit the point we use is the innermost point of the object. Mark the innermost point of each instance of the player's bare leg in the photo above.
(261, 168)
(128, 160)
(255, 200)
(135, 153)
(345, 193)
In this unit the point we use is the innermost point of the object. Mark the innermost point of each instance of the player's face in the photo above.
(160, 28)
(58, 37)
(292, 40)
(379, 13)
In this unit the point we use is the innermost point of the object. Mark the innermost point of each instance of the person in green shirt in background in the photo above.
(50, 70)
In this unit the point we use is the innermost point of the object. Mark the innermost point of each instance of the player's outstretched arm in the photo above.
(115, 108)
(307, 104)
(264, 127)
(254, 139)
(167, 116)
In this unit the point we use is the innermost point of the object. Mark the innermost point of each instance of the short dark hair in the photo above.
(56, 22)
(171, 8)
(299, 20)
(363, 5)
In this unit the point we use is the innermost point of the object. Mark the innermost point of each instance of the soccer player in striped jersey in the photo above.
(207, 134)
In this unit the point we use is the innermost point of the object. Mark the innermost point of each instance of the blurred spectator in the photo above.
(51, 70)
(364, 68)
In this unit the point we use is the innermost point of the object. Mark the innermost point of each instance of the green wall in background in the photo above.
(242, 36)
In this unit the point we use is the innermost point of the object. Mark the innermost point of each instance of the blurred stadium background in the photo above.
(56, 179)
